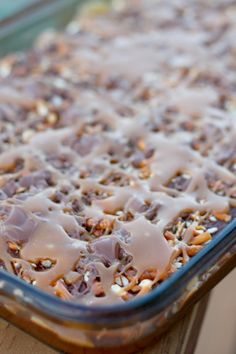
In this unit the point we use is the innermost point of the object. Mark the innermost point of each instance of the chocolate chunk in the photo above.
(106, 247)
(18, 225)
(180, 183)
(3, 195)
(10, 188)
(39, 179)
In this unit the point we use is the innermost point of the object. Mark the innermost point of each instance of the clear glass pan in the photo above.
(127, 327)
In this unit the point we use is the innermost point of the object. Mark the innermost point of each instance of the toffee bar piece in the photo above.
(117, 148)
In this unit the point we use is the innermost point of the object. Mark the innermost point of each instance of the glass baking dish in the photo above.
(76, 328)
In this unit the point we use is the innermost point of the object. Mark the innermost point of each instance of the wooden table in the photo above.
(181, 339)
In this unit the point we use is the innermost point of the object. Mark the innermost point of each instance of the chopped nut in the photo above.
(72, 277)
(192, 250)
(13, 246)
(141, 145)
(169, 235)
(202, 238)
(149, 274)
(222, 216)
(145, 172)
(135, 289)
(52, 118)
